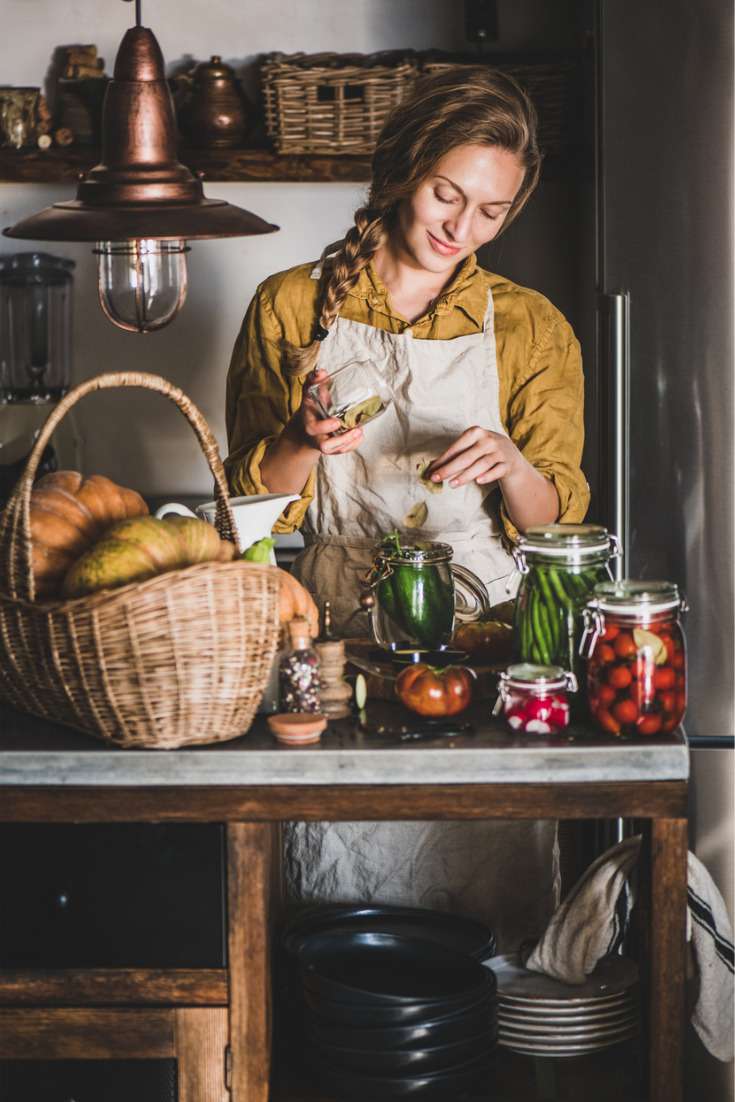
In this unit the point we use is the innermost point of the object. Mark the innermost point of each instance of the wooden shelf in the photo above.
(65, 166)
(231, 166)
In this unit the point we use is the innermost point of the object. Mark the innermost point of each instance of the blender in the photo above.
(35, 356)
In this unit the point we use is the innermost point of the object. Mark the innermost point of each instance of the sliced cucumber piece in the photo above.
(360, 691)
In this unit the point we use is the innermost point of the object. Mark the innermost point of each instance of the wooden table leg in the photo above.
(253, 877)
(667, 957)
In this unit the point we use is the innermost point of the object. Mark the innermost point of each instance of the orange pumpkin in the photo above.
(68, 514)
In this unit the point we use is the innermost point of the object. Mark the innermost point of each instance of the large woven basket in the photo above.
(178, 660)
(332, 103)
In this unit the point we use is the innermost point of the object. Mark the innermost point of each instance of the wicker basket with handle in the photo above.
(180, 659)
(332, 103)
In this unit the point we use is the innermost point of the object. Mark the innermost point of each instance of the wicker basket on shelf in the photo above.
(180, 659)
(332, 103)
(547, 82)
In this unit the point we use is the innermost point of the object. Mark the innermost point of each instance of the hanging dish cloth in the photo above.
(592, 920)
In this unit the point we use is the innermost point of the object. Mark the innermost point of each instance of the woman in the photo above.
(488, 409)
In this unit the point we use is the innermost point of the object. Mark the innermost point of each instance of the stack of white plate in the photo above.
(540, 1016)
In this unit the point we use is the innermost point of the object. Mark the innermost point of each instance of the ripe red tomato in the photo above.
(667, 700)
(663, 677)
(604, 654)
(624, 645)
(625, 711)
(605, 694)
(619, 677)
(609, 633)
(485, 640)
(606, 721)
(435, 692)
(649, 724)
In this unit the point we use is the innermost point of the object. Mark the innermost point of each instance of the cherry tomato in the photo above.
(485, 640)
(604, 654)
(435, 692)
(677, 660)
(624, 645)
(668, 642)
(667, 700)
(604, 719)
(625, 711)
(610, 632)
(649, 724)
(642, 667)
(663, 677)
(605, 694)
(619, 677)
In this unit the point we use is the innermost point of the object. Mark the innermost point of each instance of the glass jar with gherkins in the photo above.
(559, 564)
(419, 592)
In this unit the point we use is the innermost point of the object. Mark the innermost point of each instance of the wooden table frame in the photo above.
(193, 1015)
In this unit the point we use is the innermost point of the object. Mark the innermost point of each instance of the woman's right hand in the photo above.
(315, 430)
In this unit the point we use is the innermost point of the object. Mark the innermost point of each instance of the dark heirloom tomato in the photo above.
(435, 692)
(485, 640)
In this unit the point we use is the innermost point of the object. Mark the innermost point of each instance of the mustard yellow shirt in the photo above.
(539, 367)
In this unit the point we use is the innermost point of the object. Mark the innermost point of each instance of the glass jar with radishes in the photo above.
(533, 698)
(636, 669)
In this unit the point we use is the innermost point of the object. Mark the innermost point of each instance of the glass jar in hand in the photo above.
(559, 564)
(299, 670)
(636, 673)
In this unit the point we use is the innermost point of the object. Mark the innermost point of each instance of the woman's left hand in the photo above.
(482, 456)
(478, 455)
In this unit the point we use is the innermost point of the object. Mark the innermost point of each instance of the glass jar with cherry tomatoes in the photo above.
(636, 669)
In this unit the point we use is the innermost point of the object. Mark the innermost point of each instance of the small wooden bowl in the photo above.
(296, 728)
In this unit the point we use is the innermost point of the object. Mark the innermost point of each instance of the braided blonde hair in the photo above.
(466, 105)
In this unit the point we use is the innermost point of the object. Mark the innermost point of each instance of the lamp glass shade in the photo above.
(142, 284)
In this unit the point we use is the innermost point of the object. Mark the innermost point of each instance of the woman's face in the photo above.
(461, 206)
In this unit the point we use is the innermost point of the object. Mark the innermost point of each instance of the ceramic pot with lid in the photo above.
(214, 113)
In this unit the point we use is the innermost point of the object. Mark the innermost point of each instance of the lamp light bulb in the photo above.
(142, 283)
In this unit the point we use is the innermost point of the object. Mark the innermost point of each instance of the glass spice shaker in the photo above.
(534, 698)
(299, 673)
(636, 673)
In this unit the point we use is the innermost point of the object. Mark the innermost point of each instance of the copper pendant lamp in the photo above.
(139, 204)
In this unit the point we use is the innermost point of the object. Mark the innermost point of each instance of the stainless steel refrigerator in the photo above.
(665, 269)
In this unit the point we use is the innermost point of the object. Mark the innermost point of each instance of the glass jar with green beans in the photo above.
(559, 564)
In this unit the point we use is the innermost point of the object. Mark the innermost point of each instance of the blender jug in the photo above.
(35, 358)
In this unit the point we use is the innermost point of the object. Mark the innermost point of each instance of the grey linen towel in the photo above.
(591, 922)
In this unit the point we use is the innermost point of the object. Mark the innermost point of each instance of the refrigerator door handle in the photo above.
(613, 316)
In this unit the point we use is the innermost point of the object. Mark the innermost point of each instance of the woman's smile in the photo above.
(443, 247)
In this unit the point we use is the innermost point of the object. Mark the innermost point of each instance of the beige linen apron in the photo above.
(502, 873)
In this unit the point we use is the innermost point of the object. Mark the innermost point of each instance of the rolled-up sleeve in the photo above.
(542, 398)
(260, 399)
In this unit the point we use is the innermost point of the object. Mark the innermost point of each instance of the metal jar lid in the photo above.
(528, 675)
(633, 597)
(418, 552)
(567, 539)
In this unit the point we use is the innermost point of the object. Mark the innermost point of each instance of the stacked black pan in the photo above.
(394, 1002)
